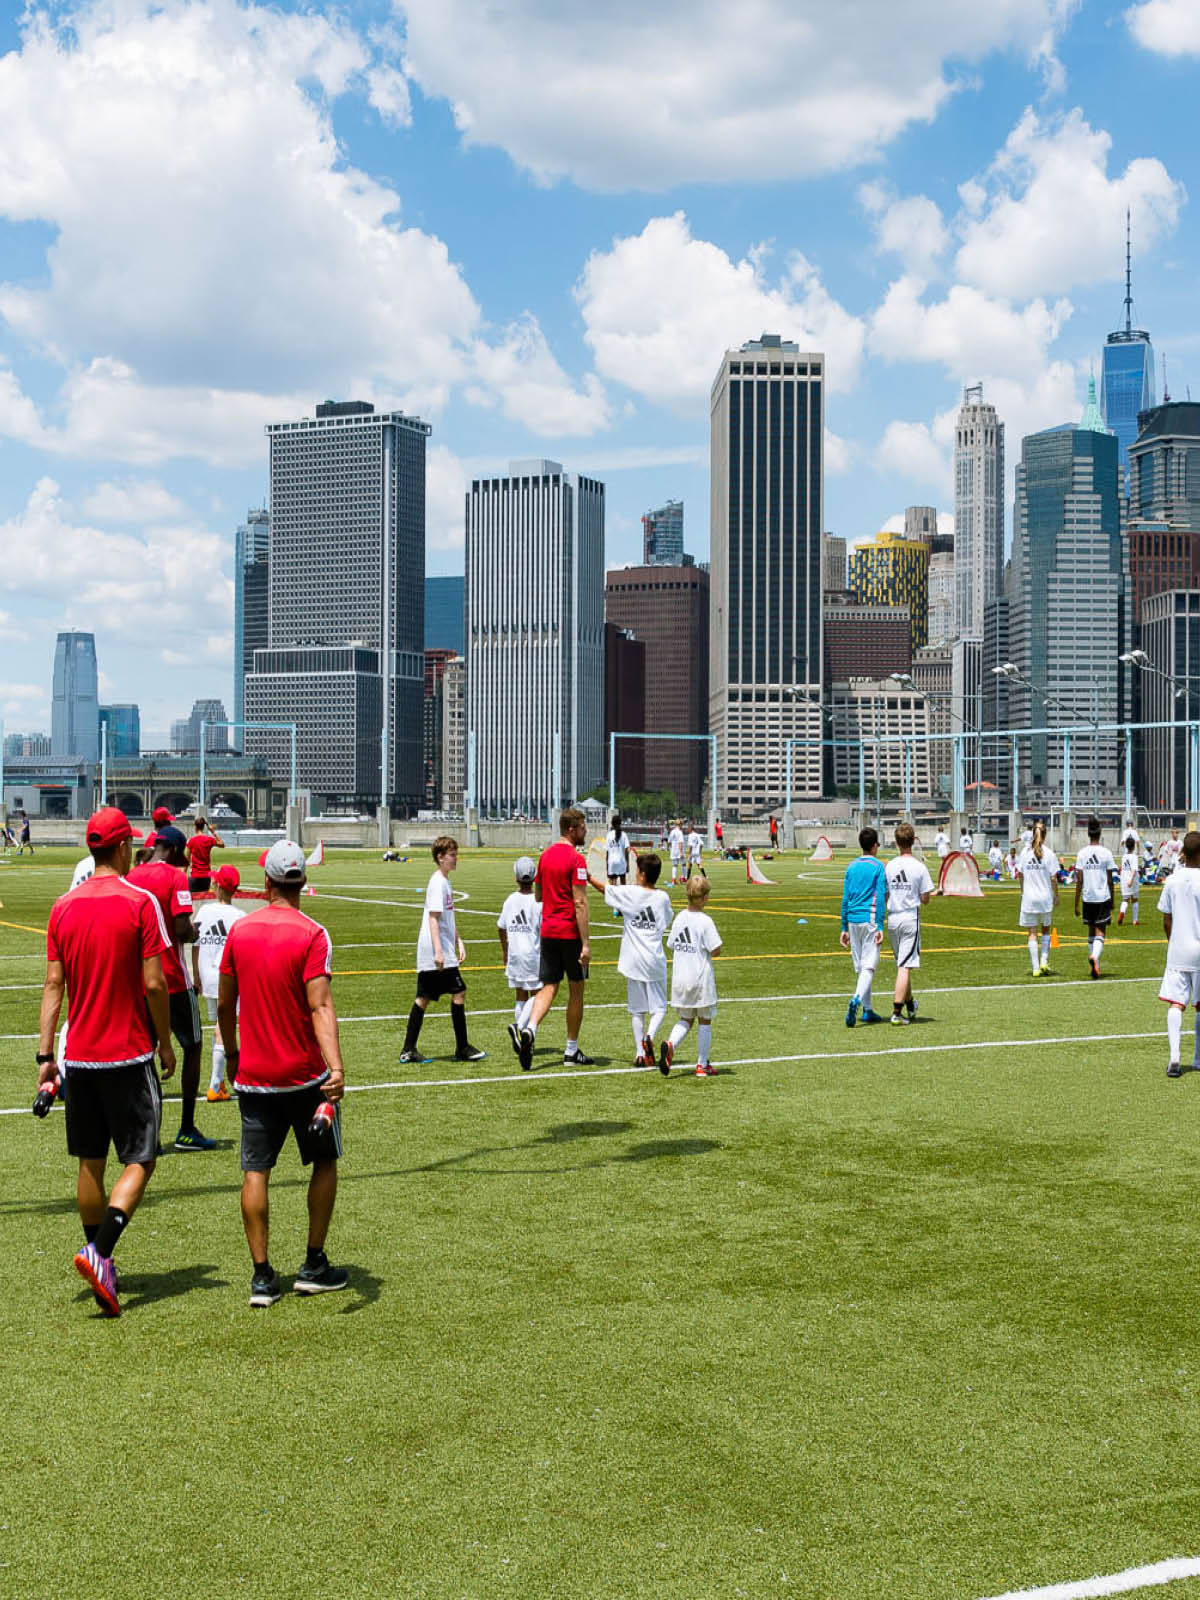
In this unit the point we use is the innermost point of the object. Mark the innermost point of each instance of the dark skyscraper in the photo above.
(75, 724)
(251, 549)
(1126, 376)
(445, 600)
(662, 536)
(124, 726)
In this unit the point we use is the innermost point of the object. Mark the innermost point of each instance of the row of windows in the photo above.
(776, 369)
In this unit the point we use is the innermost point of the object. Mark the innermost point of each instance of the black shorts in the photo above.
(268, 1118)
(1097, 913)
(185, 1018)
(438, 981)
(199, 885)
(121, 1106)
(560, 959)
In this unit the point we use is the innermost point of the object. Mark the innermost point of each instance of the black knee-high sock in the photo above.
(413, 1032)
(458, 1016)
(109, 1231)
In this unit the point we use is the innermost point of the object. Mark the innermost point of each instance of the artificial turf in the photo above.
(863, 1316)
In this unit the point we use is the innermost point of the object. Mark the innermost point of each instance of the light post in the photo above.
(1012, 671)
(1183, 691)
(907, 681)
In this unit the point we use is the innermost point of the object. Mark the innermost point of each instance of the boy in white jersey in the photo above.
(213, 919)
(695, 850)
(1037, 868)
(646, 911)
(1180, 906)
(995, 860)
(908, 889)
(1131, 880)
(675, 844)
(616, 851)
(1094, 869)
(440, 953)
(520, 925)
(694, 941)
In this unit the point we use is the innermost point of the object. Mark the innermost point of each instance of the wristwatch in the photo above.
(44, 1061)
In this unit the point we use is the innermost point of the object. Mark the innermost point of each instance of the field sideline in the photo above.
(882, 1314)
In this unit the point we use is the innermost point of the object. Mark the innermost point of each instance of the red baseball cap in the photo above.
(109, 826)
(262, 860)
(150, 840)
(161, 814)
(227, 877)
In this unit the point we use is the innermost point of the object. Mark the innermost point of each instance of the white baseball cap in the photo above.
(286, 862)
(524, 869)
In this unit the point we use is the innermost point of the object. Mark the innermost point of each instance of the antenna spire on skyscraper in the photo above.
(1128, 278)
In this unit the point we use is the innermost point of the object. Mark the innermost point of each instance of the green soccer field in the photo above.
(905, 1313)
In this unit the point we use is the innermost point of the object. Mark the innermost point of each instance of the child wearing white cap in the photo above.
(520, 928)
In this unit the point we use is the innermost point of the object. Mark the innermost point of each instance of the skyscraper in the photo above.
(765, 598)
(75, 715)
(346, 603)
(662, 536)
(185, 731)
(535, 637)
(893, 571)
(124, 724)
(444, 600)
(920, 522)
(1126, 375)
(251, 552)
(978, 511)
(1066, 604)
(941, 629)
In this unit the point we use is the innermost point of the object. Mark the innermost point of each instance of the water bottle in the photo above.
(322, 1119)
(46, 1097)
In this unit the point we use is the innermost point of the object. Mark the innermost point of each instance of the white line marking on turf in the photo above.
(1116, 1583)
(403, 905)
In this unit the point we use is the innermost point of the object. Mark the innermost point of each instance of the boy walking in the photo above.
(864, 899)
(694, 941)
(1094, 868)
(908, 889)
(440, 952)
(675, 844)
(695, 850)
(520, 927)
(1180, 906)
(1131, 881)
(213, 921)
(646, 911)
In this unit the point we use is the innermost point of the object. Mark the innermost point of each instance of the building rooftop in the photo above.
(1171, 419)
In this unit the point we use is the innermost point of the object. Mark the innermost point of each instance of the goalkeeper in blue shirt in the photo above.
(864, 899)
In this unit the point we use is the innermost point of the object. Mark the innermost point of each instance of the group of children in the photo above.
(874, 896)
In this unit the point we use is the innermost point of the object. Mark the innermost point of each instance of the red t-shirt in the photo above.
(169, 886)
(102, 932)
(200, 848)
(561, 867)
(273, 954)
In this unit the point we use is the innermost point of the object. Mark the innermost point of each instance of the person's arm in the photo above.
(218, 842)
(52, 998)
(196, 969)
(227, 1016)
(503, 932)
(845, 934)
(325, 1026)
(155, 985)
(185, 928)
(435, 935)
(880, 903)
(1078, 890)
(579, 894)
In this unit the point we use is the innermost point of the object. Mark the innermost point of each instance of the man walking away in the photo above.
(562, 879)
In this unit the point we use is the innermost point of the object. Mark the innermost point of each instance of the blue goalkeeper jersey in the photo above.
(864, 892)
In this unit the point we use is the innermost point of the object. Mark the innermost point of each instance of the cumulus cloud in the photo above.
(911, 228)
(1169, 27)
(136, 500)
(534, 390)
(967, 331)
(661, 307)
(445, 499)
(1046, 215)
(633, 96)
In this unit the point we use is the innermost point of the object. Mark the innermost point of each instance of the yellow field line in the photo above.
(22, 927)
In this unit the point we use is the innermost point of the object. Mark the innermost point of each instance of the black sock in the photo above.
(911, 1004)
(314, 1256)
(458, 1016)
(90, 1230)
(262, 1269)
(413, 1032)
(187, 1115)
(897, 1006)
(109, 1231)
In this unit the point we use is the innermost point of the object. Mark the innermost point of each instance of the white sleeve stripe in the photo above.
(162, 926)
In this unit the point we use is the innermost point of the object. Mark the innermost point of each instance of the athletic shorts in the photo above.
(267, 1120)
(1036, 919)
(863, 948)
(905, 936)
(185, 1018)
(199, 885)
(696, 1013)
(437, 982)
(1179, 988)
(1097, 913)
(560, 959)
(210, 1005)
(121, 1106)
(645, 997)
(524, 977)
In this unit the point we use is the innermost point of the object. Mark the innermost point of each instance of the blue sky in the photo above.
(539, 224)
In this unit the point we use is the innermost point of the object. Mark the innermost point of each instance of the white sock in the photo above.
(524, 1008)
(1124, 907)
(637, 1033)
(218, 1067)
(518, 1007)
(862, 989)
(1135, 913)
(1097, 949)
(1045, 949)
(656, 1022)
(680, 1032)
(1174, 1030)
(703, 1043)
(572, 1046)
(1033, 951)
(531, 1024)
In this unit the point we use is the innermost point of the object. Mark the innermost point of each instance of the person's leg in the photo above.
(129, 1188)
(256, 1215)
(637, 1022)
(458, 1020)
(520, 999)
(189, 1087)
(902, 990)
(1033, 951)
(542, 1001)
(416, 1017)
(703, 1042)
(91, 1194)
(1045, 944)
(679, 1032)
(574, 1011)
(322, 1191)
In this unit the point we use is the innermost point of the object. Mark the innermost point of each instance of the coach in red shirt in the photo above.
(277, 966)
(104, 949)
(199, 853)
(561, 886)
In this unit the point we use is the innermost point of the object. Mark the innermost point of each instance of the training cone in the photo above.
(1054, 938)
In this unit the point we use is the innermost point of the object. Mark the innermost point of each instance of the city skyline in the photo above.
(974, 231)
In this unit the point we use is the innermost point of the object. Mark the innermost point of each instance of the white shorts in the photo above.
(905, 935)
(696, 1013)
(210, 1005)
(645, 997)
(863, 948)
(1131, 894)
(523, 978)
(1180, 988)
(676, 861)
(1036, 919)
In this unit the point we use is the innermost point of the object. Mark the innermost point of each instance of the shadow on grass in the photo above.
(144, 1288)
(366, 1286)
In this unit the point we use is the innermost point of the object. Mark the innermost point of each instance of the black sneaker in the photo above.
(525, 1052)
(322, 1279)
(576, 1058)
(265, 1288)
(413, 1058)
(1174, 1070)
(666, 1055)
(514, 1034)
(470, 1054)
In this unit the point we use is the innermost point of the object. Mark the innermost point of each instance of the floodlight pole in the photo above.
(104, 763)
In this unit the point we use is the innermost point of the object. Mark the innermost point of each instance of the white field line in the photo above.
(1115, 1583)
(537, 1076)
(725, 1000)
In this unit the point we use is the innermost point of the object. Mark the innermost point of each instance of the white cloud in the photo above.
(27, 702)
(661, 307)
(1046, 215)
(445, 499)
(136, 500)
(920, 451)
(632, 96)
(839, 454)
(10, 629)
(534, 389)
(1170, 27)
(911, 228)
(968, 331)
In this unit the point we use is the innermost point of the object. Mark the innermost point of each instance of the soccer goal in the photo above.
(960, 876)
(754, 873)
(822, 850)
